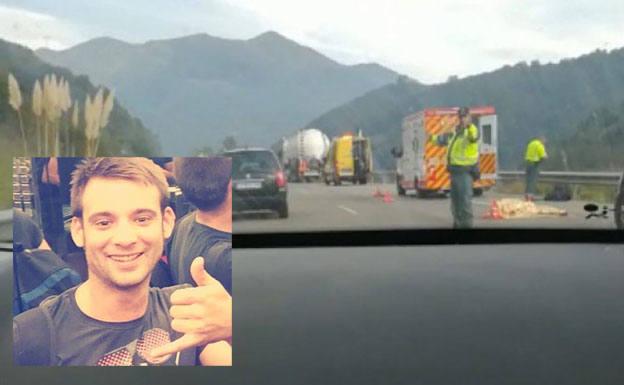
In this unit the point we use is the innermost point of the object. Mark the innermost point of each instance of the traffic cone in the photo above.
(496, 214)
(387, 197)
(493, 211)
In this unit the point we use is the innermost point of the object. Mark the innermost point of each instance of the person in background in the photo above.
(27, 233)
(52, 176)
(534, 156)
(166, 163)
(46, 184)
(207, 184)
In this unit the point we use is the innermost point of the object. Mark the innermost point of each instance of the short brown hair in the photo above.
(140, 170)
(204, 181)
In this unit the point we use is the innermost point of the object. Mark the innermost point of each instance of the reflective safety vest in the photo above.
(535, 151)
(463, 148)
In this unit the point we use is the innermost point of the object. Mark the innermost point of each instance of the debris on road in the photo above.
(508, 208)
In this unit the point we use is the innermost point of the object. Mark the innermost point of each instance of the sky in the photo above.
(428, 40)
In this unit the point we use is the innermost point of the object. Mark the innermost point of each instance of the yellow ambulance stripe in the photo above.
(432, 125)
(488, 163)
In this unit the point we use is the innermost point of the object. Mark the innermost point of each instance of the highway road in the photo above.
(315, 207)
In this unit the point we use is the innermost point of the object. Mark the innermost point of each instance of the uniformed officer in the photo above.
(462, 164)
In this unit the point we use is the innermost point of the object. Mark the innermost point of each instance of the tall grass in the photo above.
(37, 109)
(15, 101)
(54, 121)
(7, 148)
(96, 113)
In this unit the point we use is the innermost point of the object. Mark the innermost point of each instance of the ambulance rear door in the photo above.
(411, 160)
(488, 144)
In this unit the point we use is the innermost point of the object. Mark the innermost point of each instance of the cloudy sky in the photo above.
(428, 40)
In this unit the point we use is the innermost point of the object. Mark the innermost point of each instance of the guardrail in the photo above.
(568, 177)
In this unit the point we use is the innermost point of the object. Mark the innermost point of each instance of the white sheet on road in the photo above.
(516, 208)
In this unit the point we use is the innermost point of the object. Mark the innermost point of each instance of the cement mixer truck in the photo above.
(302, 154)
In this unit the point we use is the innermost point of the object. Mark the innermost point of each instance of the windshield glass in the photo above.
(244, 162)
(397, 118)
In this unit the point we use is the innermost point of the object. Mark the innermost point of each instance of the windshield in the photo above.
(244, 162)
(411, 115)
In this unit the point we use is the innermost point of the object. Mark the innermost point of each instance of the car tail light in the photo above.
(280, 180)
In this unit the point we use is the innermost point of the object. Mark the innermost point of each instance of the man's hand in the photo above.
(202, 313)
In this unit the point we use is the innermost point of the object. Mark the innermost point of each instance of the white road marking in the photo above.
(350, 211)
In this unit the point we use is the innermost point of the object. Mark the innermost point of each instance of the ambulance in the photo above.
(421, 165)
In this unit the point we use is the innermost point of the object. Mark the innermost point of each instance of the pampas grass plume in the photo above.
(15, 95)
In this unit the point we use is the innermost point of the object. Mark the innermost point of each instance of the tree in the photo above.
(229, 143)
(203, 151)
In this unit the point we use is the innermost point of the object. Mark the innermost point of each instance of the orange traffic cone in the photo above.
(387, 197)
(493, 211)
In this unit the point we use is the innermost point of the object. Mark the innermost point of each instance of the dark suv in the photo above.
(258, 182)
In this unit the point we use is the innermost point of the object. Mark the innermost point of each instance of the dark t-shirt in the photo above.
(75, 339)
(190, 240)
(25, 231)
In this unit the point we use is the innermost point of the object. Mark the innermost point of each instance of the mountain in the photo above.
(123, 135)
(552, 99)
(196, 90)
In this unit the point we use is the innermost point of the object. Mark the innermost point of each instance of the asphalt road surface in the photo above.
(316, 207)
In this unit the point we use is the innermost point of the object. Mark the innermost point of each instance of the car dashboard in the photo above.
(415, 313)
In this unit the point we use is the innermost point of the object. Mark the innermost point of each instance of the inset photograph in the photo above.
(122, 261)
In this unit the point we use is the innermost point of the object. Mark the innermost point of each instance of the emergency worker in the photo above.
(462, 164)
(535, 154)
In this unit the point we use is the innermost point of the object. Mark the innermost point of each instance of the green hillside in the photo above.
(529, 98)
(597, 144)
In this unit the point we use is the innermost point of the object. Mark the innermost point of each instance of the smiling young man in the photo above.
(121, 219)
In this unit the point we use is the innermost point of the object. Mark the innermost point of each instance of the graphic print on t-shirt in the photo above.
(136, 353)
